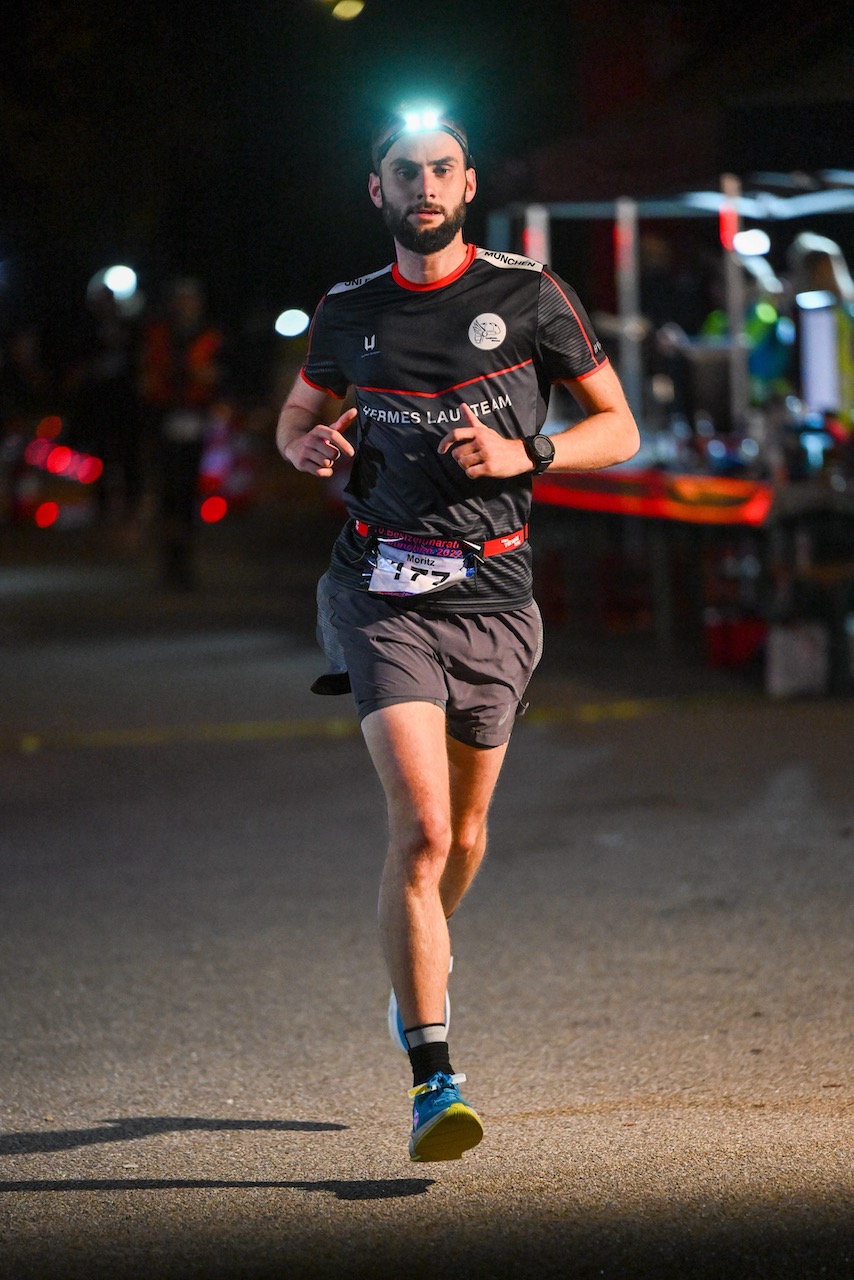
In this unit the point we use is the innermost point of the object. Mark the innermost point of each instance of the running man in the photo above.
(426, 611)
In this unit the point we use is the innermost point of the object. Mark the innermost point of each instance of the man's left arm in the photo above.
(606, 435)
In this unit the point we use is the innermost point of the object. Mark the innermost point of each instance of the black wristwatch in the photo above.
(541, 451)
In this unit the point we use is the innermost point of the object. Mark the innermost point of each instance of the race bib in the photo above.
(413, 566)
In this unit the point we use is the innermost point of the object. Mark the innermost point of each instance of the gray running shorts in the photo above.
(475, 666)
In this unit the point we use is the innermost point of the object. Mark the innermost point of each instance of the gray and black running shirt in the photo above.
(494, 335)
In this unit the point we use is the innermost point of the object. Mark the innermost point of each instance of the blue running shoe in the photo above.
(443, 1125)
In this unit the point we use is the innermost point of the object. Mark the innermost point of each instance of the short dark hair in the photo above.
(400, 121)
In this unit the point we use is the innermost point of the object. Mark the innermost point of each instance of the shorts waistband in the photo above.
(492, 547)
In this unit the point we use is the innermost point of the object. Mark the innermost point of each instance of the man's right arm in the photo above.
(304, 436)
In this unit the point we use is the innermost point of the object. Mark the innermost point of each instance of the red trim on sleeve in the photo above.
(578, 322)
(471, 250)
(317, 387)
(583, 376)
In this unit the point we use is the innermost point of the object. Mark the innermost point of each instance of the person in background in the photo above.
(27, 393)
(181, 379)
(104, 402)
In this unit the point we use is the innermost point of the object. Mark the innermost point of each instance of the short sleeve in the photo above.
(320, 367)
(566, 343)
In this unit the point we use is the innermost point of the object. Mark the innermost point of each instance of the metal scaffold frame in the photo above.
(730, 205)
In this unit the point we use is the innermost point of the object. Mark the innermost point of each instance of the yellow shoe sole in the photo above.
(454, 1131)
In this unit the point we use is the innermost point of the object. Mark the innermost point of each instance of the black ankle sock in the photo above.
(427, 1059)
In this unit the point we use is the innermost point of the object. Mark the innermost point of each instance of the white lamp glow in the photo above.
(291, 323)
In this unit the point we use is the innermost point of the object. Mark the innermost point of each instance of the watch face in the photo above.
(541, 451)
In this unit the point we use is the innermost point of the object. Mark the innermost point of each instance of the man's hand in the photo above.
(318, 449)
(482, 452)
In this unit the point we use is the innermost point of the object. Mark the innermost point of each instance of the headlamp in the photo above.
(415, 120)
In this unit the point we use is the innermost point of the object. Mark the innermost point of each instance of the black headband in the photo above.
(382, 149)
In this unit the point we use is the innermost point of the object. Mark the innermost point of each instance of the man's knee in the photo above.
(421, 848)
(468, 838)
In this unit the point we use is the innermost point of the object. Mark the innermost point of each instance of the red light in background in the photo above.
(624, 241)
(58, 460)
(49, 428)
(728, 226)
(213, 509)
(46, 514)
(36, 452)
(89, 469)
(534, 243)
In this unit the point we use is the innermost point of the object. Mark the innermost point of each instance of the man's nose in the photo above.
(425, 183)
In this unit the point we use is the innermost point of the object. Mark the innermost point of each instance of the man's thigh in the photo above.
(432, 783)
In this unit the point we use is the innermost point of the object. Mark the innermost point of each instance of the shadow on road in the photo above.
(356, 1189)
(130, 1130)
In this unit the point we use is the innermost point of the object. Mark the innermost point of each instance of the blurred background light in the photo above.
(121, 281)
(291, 323)
(46, 514)
(213, 509)
(49, 428)
(751, 243)
(786, 331)
(766, 312)
(89, 469)
(58, 460)
(728, 226)
(36, 452)
(813, 299)
(347, 9)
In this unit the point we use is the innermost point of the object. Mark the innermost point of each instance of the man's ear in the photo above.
(375, 189)
(471, 185)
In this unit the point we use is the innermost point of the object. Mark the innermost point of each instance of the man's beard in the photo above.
(422, 240)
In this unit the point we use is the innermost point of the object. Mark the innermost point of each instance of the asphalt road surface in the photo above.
(652, 995)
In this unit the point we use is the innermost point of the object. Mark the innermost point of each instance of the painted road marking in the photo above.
(164, 735)
(586, 713)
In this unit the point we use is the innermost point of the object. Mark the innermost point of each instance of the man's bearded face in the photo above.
(422, 240)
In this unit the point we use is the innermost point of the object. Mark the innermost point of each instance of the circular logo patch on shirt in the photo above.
(487, 330)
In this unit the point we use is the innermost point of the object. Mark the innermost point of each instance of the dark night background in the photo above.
(229, 141)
